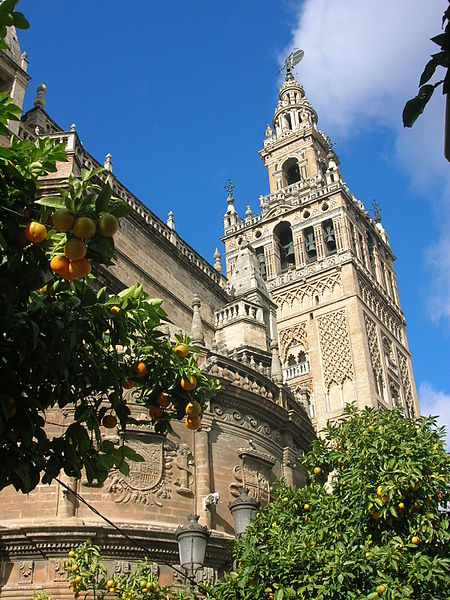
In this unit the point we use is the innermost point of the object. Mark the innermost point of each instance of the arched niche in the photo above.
(283, 237)
(291, 172)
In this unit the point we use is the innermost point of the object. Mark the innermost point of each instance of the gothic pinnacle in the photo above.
(39, 101)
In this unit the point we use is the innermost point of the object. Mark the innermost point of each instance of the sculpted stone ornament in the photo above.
(254, 473)
(149, 481)
(184, 461)
(26, 568)
(59, 572)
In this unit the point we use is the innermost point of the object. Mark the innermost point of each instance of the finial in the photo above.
(73, 128)
(39, 101)
(198, 338)
(376, 212)
(276, 373)
(217, 264)
(229, 187)
(248, 212)
(170, 221)
(293, 59)
(108, 162)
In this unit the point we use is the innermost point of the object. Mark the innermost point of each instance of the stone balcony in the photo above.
(294, 371)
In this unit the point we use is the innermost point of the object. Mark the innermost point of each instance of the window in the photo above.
(283, 235)
(310, 244)
(291, 172)
(328, 236)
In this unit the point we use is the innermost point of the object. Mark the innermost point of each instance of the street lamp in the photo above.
(242, 509)
(192, 539)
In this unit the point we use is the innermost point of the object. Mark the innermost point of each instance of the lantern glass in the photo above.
(243, 509)
(192, 539)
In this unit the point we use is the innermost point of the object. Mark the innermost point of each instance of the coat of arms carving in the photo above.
(149, 481)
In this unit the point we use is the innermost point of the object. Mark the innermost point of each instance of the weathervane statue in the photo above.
(293, 59)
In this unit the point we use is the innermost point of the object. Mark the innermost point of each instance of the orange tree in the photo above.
(64, 343)
(367, 525)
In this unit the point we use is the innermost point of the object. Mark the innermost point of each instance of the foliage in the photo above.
(64, 343)
(40, 596)
(415, 106)
(86, 572)
(367, 525)
(9, 17)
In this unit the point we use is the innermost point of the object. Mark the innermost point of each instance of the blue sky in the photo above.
(180, 93)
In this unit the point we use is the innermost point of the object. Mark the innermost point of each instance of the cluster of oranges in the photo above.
(74, 264)
(113, 586)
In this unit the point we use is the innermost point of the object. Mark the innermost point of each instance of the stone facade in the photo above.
(307, 319)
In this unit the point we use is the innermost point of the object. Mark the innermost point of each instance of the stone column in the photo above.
(202, 473)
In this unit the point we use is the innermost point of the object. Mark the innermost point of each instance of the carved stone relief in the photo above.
(184, 461)
(249, 422)
(335, 348)
(406, 383)
(149, 482)
(254, 473)
(58, 570)
(292, 336)
(122, 567)
(380, 308)
(374, 350)
(304, 295)
(26, 569)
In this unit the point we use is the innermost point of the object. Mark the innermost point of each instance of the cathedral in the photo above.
(306, 318)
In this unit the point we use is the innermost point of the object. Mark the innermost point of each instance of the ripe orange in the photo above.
(60, 265)
(193, 409)
(109, 421)
(379, 491)
(188, 384)
(306, 507)
(35, 232)
(317, 470)
(140, 369)
(75, 249)
(107, 225)
(79, 268)
(415, 540)
(71, 554)
(163, 400)
(401, 505)
(182, 350)
(380, 589)
(114, 310)
(385, 498)
(84, 228)
(156, 412)
(192, 423)
(74, 568)
(63, 220)
(110, 583)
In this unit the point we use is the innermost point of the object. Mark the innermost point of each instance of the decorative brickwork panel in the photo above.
(294, 336)
(406, 383)
(304, 295)
(335, 348)
(374, 349)
(380, 308)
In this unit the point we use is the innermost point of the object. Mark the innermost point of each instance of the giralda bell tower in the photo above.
(330, 271)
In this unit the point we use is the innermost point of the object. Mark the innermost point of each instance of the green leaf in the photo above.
(429, 70)
(51, 201)
(415, 107)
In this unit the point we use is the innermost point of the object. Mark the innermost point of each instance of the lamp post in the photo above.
(192, 539)
(243, 509)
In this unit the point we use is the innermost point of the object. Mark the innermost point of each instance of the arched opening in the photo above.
(329, 236)
(310, 244)
(283, 235)
(291, 172)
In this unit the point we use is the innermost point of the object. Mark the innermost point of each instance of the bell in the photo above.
(329, 235)
(289, 248)
(310, 243)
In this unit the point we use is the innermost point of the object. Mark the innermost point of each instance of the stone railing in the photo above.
(238, 310)
(294, 371)
(255, 379)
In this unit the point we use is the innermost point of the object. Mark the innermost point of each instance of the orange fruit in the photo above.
(75, 249)
(140, 369)
(317, 470)
(60, 265)
(384, 498)
(63, 220)
(375, 515)
(109, 421)
(74, 568)
(84, 228)
(306, 507)
(163, 400)
(415, 540)
(401, 505)
(182, 350)
(114, 310)
(110, 583)
(192, 423)
(193, 409)
(107, 225)
(79, 268)
(156, 412)
(21, 238)
(35, 232)
(379, 491)
(188, 384)
(380, 589)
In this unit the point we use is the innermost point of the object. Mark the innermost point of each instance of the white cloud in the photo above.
(362, 62)
(435, 403)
